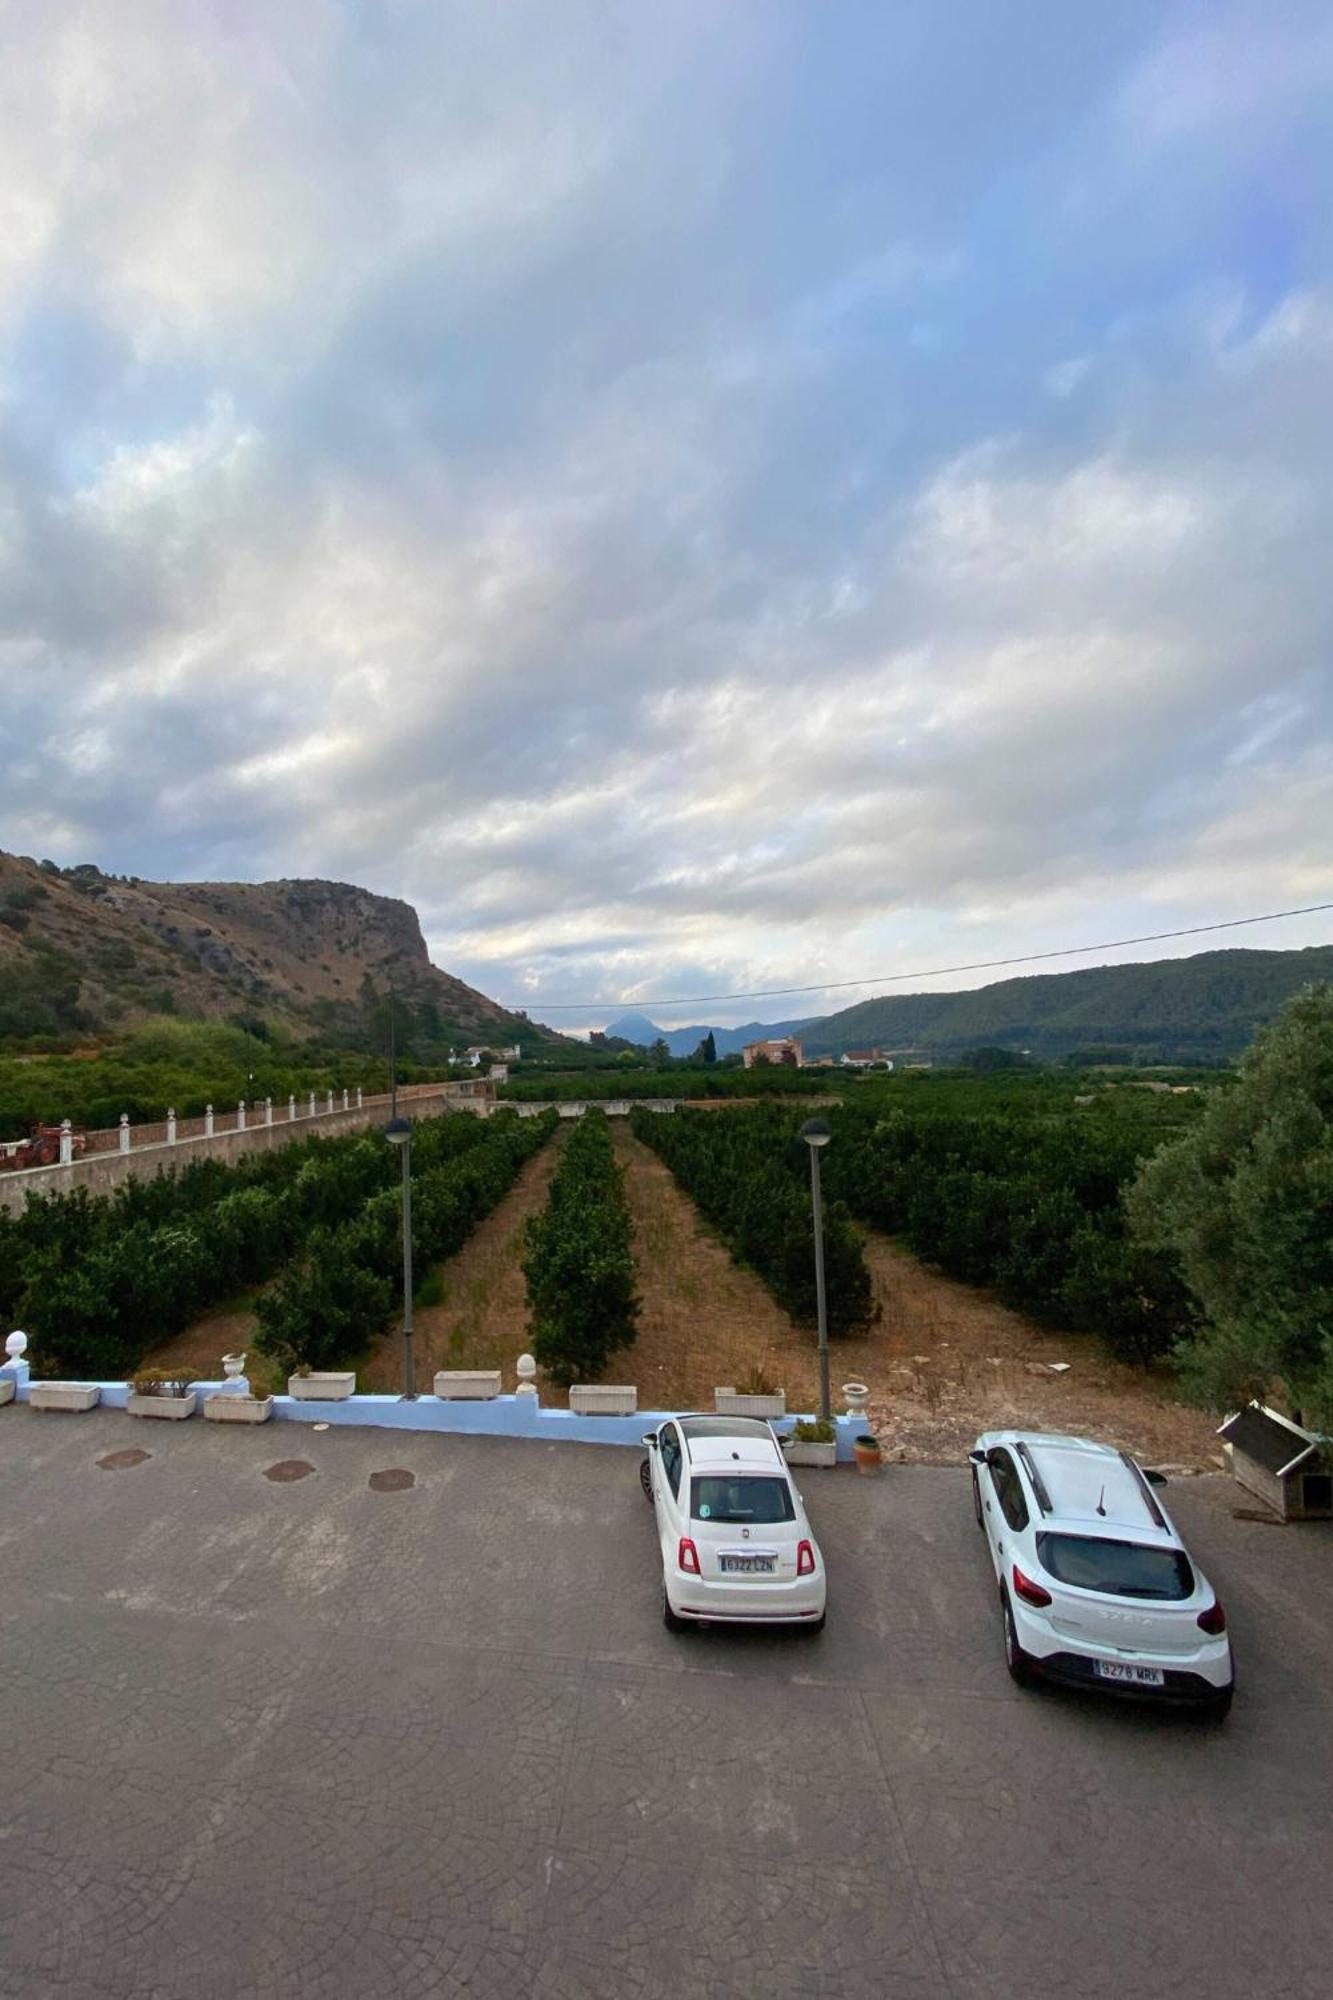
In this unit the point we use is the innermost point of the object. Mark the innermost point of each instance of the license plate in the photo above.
(746, 1565)
(1121, 1670)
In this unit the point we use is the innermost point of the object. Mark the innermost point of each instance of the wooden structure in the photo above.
(1280, 1462)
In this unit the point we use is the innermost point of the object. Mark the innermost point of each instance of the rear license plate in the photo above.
(746, 1565)
(1120, 1670)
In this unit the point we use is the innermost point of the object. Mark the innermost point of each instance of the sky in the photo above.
(723, 495)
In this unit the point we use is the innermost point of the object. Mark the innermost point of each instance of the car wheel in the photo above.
(646, 1478)
(976, 1498)
(816, 1624)
(1014, 1657)
(669, 1618)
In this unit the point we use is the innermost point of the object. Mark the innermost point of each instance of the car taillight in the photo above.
(1214, 1619)
(1030, 1592)
(688, 1556)
(805, 1559)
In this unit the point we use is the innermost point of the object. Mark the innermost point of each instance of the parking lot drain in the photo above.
(117, 1461)
(393, 1481)
(288, 1469)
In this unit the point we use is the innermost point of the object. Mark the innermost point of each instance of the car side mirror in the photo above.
(977, 1457)
(1155, 1478)
(650, 1439)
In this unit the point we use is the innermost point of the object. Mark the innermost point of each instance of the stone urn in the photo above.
(856, 1396)
(233, 1369)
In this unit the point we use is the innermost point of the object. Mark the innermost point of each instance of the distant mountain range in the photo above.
(1199, 1009)
(684, 1041)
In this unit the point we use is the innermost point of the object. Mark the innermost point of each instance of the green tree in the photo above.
(1246, 1202)
(707, 1049)
(660, 1053)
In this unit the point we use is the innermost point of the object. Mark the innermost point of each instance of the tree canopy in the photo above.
(1245, 1200)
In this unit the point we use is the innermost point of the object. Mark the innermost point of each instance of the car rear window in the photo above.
(1122, 1569)
(753, 1499)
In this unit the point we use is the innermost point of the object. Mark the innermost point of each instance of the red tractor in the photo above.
(42, 1149)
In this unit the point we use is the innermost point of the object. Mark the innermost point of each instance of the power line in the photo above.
(935, 972)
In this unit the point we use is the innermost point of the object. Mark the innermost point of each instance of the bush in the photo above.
(748, 1174)
(580, 1261)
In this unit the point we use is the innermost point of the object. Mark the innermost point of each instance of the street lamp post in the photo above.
(816, 1133)
(398, 1132)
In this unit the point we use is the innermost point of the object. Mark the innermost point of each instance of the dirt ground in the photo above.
(482, 1321)
(942, 1360)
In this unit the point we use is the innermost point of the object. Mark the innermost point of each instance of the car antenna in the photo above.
(1101, 1503)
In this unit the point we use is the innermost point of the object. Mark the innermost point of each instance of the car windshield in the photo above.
(759, 1499)
(1122, 1569)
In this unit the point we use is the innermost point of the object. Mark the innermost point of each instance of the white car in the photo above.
(736, 1545)
(1096, 1587)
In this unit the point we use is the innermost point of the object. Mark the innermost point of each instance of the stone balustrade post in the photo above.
(208, 1121)
(66, 1142)
(268, 1110)
(240, 1116)
(312, 1104)
(291, 1107)
(344, 1100)
(124, 1131)
(330, 1104)
(171, 1126)
(358, 1097)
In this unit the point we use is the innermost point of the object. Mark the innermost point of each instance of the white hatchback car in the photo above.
(736, 1545)
(1096, 1587)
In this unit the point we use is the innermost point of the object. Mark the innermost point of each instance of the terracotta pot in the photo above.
(869, 1456)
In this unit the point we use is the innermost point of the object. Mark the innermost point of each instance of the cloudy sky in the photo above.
(699, 496)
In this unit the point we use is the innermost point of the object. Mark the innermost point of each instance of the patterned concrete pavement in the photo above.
(309, 1739)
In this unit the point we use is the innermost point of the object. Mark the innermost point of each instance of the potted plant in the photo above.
(159, 1392)
(812, 1441)
(754, 1395)
(313, 1385)
(241, 1400)
(869, 1455)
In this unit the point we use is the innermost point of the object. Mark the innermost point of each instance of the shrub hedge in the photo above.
(579, 1261)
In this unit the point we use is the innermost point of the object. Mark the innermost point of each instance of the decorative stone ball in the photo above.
(16, 1346)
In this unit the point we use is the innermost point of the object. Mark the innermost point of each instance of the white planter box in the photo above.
(64, 1396)
(225, 1409)
(735, 1403)
(6, 1388)
(162, 1406)
(803, 1452)
(327, 1388)
(598, 1399)
(467, 1385)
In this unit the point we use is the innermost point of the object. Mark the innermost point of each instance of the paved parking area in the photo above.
(310, 1739)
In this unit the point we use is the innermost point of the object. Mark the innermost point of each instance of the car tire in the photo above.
(1218, 1707)
(1020, 1667)
(646, 1478)
(816, 1624)
(669, 1618)
(976, 1498)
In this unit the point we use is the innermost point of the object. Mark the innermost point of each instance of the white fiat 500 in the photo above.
(1096, 1587)
(736, 1545)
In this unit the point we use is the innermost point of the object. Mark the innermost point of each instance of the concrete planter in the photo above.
(798, 1453)
(6, 1388)
(162, 1406)
(736, 1403)
(467, 1385)
(64, 1396)
(332, 1387)
(598, 1399)
(231, 1409)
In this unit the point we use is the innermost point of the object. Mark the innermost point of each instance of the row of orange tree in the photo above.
(579, 1260)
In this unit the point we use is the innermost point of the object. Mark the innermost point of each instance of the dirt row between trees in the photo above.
(941, 1359)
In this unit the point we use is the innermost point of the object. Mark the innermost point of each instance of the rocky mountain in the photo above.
(84, 951)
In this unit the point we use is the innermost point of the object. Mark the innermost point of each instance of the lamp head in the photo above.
(816, 1132)
(398, 1131)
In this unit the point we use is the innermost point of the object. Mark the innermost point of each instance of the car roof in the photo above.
(1081, 1477)
(730, 1444)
